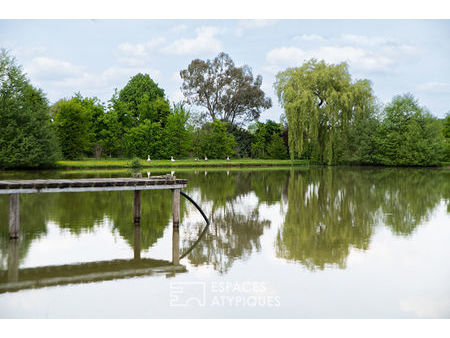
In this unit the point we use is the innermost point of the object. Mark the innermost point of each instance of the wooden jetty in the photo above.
(91, 184)
(16, 187)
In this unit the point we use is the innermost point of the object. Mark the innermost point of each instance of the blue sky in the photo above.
(96, 56)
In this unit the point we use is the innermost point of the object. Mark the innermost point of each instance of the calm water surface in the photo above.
(290, 243)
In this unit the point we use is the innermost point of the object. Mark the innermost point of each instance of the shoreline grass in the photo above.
(182, 163)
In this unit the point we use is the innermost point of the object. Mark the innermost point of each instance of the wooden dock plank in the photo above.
(29, 186)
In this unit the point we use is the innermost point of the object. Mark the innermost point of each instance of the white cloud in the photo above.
(62, 78)
(366, 40)
(205, 42)
(44, 68)
(244, 25)
(135, 54)
(286, 57)
(117, 76)
(362, 53)
(434, 87)
(179, 28)
(309, 37)
(359, 58)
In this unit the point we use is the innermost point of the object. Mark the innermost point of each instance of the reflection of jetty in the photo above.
(15, 279)
(18, 279)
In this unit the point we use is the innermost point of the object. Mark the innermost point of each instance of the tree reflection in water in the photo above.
(331, 210)
(80, 212)
(236, 225)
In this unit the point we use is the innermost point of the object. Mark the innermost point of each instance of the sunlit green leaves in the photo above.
(320, 102)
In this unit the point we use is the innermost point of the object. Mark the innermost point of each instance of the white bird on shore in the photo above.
(171, 158)
(206, 158)
(148, 158)
(228, 158)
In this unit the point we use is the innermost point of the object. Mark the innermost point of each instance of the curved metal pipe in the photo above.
(196, 205)
(204, 230)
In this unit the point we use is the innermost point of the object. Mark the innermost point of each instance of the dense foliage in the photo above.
(408, 135)
(244, 139)
(447, 137)
(72, 122)
(26, 135)
(268, 141)
(213, 141)
(334, 120)
(328, 118)
(320, 102)
(162, 139)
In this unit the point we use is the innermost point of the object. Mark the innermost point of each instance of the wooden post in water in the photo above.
(137, 207)
(137, 242)
(13, 260)
(176, 225)
(176, 207)
(176, 245)
(14, 215)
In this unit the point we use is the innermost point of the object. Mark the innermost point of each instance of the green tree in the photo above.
(359, 144)
(177, 136)
(227, 92)
(409, 135)
(95, 112)
(447, 137)
(73, 128)
(136, 110)
(213, 141)
(320, 101)
(244, 140)
(267, 135)
(108, 136)
(141, 99)
(145, 139)
(27, 139)
(276, 148)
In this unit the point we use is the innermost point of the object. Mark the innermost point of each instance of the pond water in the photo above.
(283, 243)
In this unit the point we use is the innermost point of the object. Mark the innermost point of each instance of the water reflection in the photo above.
(232, 236)
(236, 224)
(329, 212)
(80, 212)
(15, 278)
(333, 210)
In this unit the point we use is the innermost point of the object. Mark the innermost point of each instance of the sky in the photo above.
(94, 57)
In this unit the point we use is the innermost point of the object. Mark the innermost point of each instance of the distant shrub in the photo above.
(135, 164)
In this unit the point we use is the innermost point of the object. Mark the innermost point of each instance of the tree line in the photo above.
(328, 119)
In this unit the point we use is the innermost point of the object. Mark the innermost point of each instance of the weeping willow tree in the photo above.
(321, 103)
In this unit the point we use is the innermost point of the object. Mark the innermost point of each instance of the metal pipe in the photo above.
(196, 205)
(203, 231)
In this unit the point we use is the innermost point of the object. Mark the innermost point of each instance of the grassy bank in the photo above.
(184, 163)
